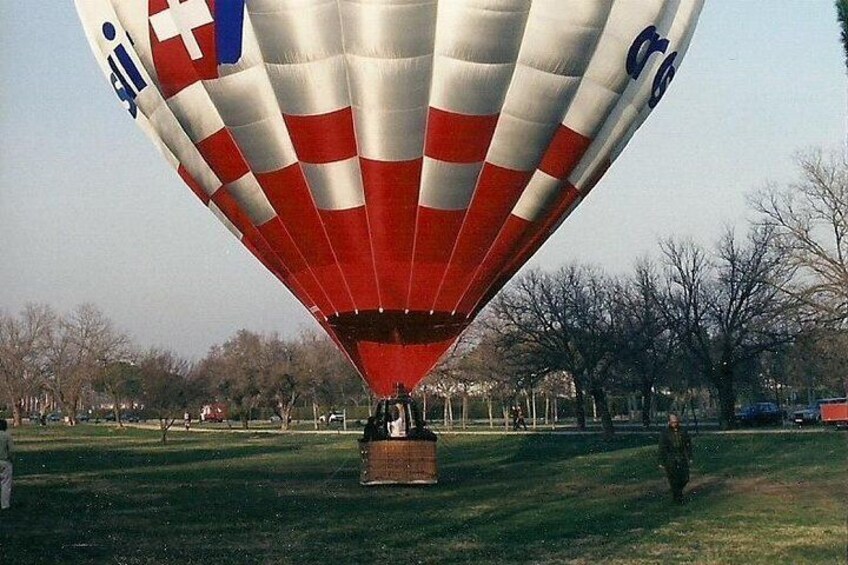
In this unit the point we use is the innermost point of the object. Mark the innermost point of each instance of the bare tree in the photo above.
(84, 343)
(818, 363)
(458, 374)
(169, 388)
(282, 384)
(809, 219)
(237, 369)
(23, 343)
(648, 345)
(565, 321)
(728, 310)
(324, 372)
(121, 380)
(502, 365)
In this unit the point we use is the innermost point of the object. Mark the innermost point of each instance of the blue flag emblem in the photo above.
(229, 30)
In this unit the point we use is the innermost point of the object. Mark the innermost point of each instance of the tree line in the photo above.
(763, 310)
(69, 363)
(751, 314)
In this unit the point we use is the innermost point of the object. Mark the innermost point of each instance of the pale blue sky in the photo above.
(89, 212)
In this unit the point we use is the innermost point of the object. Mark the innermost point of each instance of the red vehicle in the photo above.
(835, 412)
(214, 413)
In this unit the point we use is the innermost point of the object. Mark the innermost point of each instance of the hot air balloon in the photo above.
(392, 162)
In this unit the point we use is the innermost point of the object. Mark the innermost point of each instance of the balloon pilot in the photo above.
(397, 418)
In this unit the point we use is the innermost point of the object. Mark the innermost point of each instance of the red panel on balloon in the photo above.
(348, 231)
(394, 347)
(287, 192)
(281, 243)
(564, 153)
(391, 200)
(519, 241)
(458, 138)
(223, 155)
(437, 231)
(496, 195)
(324, 138)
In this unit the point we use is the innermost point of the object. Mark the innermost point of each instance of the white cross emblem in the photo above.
(182, 18)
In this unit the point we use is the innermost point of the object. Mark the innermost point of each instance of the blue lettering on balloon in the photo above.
(126, 79)
(646, 44)
(124, 95)
(662, 79)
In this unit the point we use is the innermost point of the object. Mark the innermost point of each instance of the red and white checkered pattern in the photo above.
(396, 156)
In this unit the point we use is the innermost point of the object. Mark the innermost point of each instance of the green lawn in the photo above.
(96, 494)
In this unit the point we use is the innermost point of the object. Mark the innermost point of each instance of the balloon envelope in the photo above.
(392, 162)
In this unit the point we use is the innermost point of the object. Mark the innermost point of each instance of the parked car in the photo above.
(760, 413)
(808, 416)
(812, 414)
(125, 416)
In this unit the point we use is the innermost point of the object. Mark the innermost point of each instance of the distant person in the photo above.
(5, 466)
(675, 453)
(518, 418)
(187, 421)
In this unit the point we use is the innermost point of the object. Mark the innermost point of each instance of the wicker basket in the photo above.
(398, 462)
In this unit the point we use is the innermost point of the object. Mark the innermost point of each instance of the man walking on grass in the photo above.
(675, 451)
(5, 466)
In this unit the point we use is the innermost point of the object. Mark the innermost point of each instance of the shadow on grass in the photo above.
(232, 498)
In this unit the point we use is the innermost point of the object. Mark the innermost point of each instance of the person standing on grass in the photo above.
(5, 466)
(675, 452)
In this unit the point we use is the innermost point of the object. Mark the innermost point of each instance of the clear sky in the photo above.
(89, 211)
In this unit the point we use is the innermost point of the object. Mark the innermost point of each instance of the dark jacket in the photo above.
(675, 447)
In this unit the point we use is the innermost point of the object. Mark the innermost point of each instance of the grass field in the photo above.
(97, 494)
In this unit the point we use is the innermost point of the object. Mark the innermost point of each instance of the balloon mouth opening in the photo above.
(392, 347)
(397, 327)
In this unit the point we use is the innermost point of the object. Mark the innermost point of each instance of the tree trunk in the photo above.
(599, 396)
(464, 410)
(163, 427)
(647, 402)
(556, 411)
(491, 414)
(505, 410)
(315, 414)
(580, 405)
(726, 398)
(533, 395)
(17, 414)
(285, 414)
(547, 407)
(694, 413)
